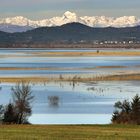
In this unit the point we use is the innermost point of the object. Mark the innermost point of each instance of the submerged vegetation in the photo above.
(54, 101)
(74, 78)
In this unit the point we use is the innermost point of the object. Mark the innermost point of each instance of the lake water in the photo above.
(62, 65)
(76, 103)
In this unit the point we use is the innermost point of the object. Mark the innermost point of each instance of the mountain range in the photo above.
(22, 24)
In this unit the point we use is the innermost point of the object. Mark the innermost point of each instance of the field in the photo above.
(77, 132)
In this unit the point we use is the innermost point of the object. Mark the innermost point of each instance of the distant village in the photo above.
(105, 42)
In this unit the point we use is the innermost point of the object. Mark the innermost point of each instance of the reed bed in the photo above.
(75, 78)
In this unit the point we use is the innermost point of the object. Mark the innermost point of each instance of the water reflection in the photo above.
(54, 101)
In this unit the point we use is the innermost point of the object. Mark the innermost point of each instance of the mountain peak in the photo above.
(70, 17)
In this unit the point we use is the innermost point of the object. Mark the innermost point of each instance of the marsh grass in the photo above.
(74, 78)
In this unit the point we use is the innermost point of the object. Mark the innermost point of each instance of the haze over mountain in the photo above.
(21, 24)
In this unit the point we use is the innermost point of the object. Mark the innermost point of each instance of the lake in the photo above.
(89, 102)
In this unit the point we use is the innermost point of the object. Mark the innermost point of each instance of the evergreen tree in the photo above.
(135, 115)
(127, 112)
(10, 115)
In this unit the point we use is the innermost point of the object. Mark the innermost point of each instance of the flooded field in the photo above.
(70, 101)
(28, 63)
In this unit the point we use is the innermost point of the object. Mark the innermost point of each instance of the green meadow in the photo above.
(69, 132)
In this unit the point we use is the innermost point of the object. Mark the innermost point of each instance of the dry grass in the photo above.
(75, 54)
(101, 53)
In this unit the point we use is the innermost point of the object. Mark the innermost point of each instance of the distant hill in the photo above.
(70, 33)
(14, 28)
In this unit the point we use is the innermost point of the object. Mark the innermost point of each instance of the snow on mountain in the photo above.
(68, 17)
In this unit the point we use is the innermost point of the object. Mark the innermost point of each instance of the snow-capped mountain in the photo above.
(8, 24)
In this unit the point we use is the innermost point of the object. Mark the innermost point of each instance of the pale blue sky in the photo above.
(39, 9)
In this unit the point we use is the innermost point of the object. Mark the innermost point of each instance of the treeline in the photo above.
(18, 111)
(68, 45)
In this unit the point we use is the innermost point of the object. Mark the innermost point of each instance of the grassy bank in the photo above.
(77, 132)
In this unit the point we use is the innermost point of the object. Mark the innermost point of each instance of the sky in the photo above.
(39, 9)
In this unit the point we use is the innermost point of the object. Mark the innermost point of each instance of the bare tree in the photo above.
(22, 99)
